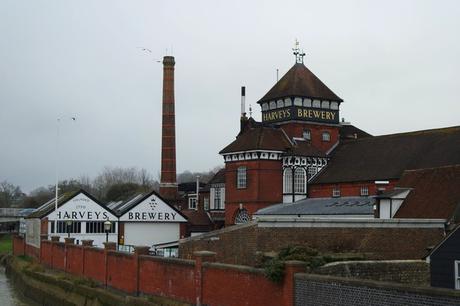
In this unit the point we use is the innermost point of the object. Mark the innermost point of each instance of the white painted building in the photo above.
(79, 216)
(147, 220)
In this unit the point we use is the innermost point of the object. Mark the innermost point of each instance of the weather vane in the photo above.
(298, 54)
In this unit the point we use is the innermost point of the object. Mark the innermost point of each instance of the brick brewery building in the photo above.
(301, 149)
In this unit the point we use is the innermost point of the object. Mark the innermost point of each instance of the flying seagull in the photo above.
(145, 49)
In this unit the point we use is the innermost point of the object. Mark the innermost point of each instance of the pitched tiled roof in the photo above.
(259, 138)
(348, 131)
(386, 157)
(218, 178)
(304, 148)
(299, 81)
(197, 217)
(435, 193)
(323, 206)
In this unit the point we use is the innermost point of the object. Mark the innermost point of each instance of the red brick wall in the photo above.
(32, 251)
(95, 264)
(294, 129)
(46, 252)
(264, 186)
(121, 271)
(184, 280)
(44, 226)
(74, 261)
(59, 255)
(240, 246)
(169, 278)
(19, 245)
(346, 189)
(244, 287)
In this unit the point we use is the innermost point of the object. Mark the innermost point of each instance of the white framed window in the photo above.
(326, 136)
(312, 170)
(457, 274)
(272, 104)
(265, 106)
(287, 178)
(364, 191)
(287, 102)
(299, 180)
(206, 203)
(336, 192)
(241, 178)
(192, 202)
(307, 102)
(307, 134)
(317, 103)
(325, 104)
(334, 105)
(280, 103)
(298, 101)
(217, 198)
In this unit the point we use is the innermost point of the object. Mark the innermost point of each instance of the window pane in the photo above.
(241, 178)
(288, 180)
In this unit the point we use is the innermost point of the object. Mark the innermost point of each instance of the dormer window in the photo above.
(326, 136)
(307, 134)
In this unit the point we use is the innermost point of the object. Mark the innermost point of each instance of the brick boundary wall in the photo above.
(200, 281)
(321, 290)
(414, 272)
(240, 244)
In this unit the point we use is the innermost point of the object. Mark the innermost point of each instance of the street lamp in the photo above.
(69, 224)
(107, 228)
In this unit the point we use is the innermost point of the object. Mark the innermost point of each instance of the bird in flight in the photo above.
(145, 49)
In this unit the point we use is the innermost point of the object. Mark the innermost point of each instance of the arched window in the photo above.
(287, 178)
(299, 180)
(242, 216)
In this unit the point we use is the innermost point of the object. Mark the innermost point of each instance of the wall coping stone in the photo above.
(69, 240)
(432, 291)
(55, 238)
(223, 266)
(204, 253)
(397, 261)
(168, 260)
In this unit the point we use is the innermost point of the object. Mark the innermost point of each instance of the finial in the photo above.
(297, 53)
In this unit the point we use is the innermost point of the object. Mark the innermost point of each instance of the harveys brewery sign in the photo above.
(301, 114)
(152, 209)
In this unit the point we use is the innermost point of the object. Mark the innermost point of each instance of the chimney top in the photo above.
(168, 60)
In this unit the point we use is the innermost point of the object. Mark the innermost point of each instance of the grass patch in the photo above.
(6, 244)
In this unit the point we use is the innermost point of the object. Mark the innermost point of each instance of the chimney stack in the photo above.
(168, 183)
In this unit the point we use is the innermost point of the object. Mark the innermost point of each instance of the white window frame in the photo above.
(307, 134)
(191, 200)
(217, 198)
(326, 136)
(336, 192)
(364, 192)
(457, 274)
(300, 180)
(241, 177)
(287, 180)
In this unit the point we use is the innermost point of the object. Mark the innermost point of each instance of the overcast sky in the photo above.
(395, 63)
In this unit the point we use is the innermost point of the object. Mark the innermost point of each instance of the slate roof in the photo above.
(48, 207)
(348, 131)
(259, 138)
(386, 157)
(196, 217)
(121, 207)
(218, 178)
(304, 148)
(435, 194)
(299, 81)
(323, 206)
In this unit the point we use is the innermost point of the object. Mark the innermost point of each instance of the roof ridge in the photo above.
(428, 131)
(433, 168)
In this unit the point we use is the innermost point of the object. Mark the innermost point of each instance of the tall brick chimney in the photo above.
(168, 183)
